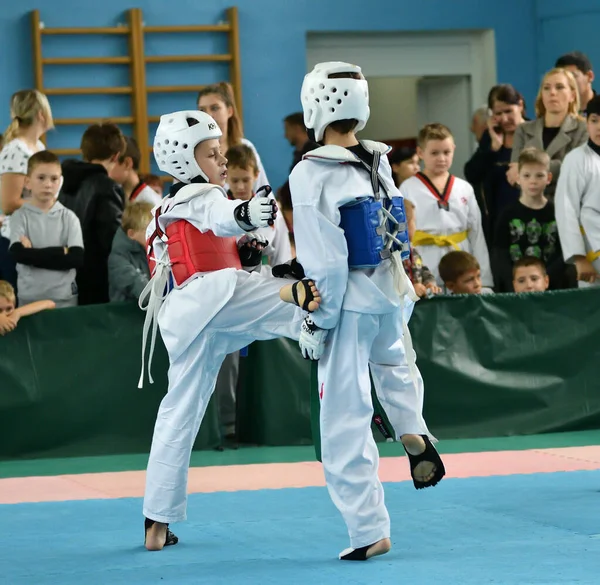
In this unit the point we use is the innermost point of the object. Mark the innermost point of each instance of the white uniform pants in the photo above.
(254, 312)
(348, 449)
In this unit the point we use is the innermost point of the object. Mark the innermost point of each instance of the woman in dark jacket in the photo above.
(486, 171)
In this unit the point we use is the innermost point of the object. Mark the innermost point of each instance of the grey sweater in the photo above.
(45, 271)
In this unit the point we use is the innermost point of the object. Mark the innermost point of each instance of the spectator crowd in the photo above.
(73, 232)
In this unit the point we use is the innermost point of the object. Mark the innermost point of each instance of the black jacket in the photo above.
(128, 269)
(98, 202)
(285, 195)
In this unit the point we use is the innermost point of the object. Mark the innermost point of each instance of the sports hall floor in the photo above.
(519, 510)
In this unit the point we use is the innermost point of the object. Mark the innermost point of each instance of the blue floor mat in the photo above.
(523, 529)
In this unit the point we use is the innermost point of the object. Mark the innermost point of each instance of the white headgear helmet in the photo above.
(177, 136)
(326, 100)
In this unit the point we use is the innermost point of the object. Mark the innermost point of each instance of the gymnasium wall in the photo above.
(529, 33)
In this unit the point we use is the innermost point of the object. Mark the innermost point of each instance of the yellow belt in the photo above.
(451, 240)
(591, 256)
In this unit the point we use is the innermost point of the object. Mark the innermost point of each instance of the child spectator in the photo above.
(126, 174)
(422, 278)
(45, 237)
(577, 197)
(242, 174)
(128, 269)
(528, 227)
(461, 274)
(448, 217)
(529, 275)
(98, 202)
(9, 314)
(405, 164)
(154, 182)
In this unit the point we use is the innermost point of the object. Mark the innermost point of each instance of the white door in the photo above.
(447, 100)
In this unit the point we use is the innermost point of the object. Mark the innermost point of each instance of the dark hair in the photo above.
(593, 106)
(401, 154)
(575, 59)
(529, 261)
(242, 157)
(43, 157)
(295, 119)
(506, 93)
(102, 142)
(343, 126)
(456, 263)
(224, 92)
(345, 75)
(132, 151)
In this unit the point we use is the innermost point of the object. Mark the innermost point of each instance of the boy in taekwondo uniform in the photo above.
(351, 235)
(213, 307)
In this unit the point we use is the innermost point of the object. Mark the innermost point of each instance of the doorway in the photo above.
(416, 78)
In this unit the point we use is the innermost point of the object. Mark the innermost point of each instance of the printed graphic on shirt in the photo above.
(532, 239)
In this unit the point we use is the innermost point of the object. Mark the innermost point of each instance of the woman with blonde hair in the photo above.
(217, 101)
(31, 118)
(557, 129)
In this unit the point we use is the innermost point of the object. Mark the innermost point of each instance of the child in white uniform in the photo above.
(448, 217)
(577, 202)
(349, 227)
(214, 307)
(242, 173)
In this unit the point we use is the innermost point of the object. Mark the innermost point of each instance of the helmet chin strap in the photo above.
(311, 135)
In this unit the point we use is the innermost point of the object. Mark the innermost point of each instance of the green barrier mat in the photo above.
(495, 365)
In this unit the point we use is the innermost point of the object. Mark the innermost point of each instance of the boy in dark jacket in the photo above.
(128, 269)
(98, 202)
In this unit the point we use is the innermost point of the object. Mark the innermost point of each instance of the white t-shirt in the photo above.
(13, 159)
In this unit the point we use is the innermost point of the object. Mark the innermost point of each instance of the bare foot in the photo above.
(286, 294)
(364, 553)
(156, 536)
(379, 548)
(415, 445)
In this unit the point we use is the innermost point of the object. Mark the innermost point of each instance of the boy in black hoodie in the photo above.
(98, 202)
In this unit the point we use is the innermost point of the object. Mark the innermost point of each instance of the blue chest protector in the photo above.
(374, 227)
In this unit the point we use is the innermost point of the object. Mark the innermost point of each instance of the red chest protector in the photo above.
(191, 251)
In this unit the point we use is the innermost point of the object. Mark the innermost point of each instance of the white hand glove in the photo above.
(312, 340)
(262, 211)
(259, 212)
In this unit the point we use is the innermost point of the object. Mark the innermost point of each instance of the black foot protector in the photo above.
(364, 553)
(308, 295)
(291, 269)
(431, 456)
(355, 554)
(170, 539)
